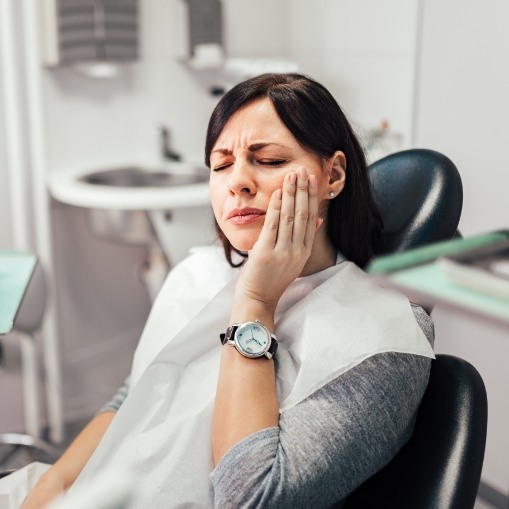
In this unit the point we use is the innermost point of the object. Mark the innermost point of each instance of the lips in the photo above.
(245, 215)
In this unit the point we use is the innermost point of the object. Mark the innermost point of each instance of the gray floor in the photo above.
(481, 504)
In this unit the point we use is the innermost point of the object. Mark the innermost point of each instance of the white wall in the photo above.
(256, 29)
(464, 104)
(94, 122)
(463, 112)
(10, 129)
(5, 212)
(362, 52)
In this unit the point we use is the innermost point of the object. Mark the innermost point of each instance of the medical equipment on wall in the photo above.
(90, 34)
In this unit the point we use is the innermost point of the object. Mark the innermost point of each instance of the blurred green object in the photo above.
(425, 282)
(429, 253)
(16, 269)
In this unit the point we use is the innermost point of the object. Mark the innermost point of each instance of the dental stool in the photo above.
(28, 322)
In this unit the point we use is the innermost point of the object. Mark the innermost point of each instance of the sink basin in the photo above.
(136, 176)
(133, 186)
(137, 203)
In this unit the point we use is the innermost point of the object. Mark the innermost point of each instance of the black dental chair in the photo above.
(440, 467)
(419, 194)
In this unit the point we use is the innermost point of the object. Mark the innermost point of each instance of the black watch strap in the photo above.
(230, 332)
(273, 347)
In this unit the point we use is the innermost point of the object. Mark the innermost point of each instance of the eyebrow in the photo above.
(252, 148)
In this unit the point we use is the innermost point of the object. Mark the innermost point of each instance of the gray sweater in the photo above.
(331, 442)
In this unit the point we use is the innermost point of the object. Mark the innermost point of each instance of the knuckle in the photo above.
(313, 191)
(302, 214)
(266, 260)
(282, 254)
(272, 225)
(288, 218)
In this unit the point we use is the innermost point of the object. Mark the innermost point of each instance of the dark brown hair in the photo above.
(317, 122)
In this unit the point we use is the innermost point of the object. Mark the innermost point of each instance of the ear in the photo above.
(337, 176)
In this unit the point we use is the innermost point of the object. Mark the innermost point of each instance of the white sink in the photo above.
(165, 207)
(133, 186)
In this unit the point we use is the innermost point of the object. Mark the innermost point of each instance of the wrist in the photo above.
(246, 309)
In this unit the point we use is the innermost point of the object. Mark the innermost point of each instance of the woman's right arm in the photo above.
(64, 472)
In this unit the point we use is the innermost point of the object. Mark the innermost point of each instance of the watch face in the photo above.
(252, 339)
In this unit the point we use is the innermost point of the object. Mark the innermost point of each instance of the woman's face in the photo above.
(248, 163)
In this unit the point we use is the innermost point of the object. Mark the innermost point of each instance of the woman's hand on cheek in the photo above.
(285, 242)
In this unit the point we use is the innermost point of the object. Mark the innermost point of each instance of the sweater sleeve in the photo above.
(331, 442)
(118, 398)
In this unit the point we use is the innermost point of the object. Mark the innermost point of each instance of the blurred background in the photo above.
(90, 86)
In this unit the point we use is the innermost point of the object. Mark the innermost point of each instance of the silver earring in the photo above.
(331, 194)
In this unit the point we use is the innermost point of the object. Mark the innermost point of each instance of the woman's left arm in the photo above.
(329, 443)
(246, 399)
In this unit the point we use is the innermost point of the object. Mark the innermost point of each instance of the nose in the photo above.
(242, 178)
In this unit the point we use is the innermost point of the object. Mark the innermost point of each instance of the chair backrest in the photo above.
(441, 464)
(33, 306)
(419, 195)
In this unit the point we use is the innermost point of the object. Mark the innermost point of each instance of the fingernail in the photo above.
(312, 181)
(278, 194)
(293, 178)
(302, 173)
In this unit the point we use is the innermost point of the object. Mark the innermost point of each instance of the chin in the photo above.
(243, 241)
(243, 246)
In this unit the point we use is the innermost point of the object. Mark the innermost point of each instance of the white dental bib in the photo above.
(326, 324)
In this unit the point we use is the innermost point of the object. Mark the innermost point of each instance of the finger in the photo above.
(269, 233)
(313, 222)
(287, 217)
(301, 206)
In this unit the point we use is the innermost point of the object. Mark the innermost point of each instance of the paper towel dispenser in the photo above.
(77, 31)
(205, 48)
(205, 23)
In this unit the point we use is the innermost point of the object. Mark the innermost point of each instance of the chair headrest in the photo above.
(420, 196)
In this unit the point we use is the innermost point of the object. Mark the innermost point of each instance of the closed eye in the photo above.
(262, 162)
(272, 162)
(221, 167)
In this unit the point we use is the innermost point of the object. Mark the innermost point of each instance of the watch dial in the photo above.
(252, 339)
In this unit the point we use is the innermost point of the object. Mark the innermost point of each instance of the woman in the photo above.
(251, 424)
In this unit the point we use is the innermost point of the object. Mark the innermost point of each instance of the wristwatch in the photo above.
(251, 339)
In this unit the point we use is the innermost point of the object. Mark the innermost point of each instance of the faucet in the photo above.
(166, 152)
